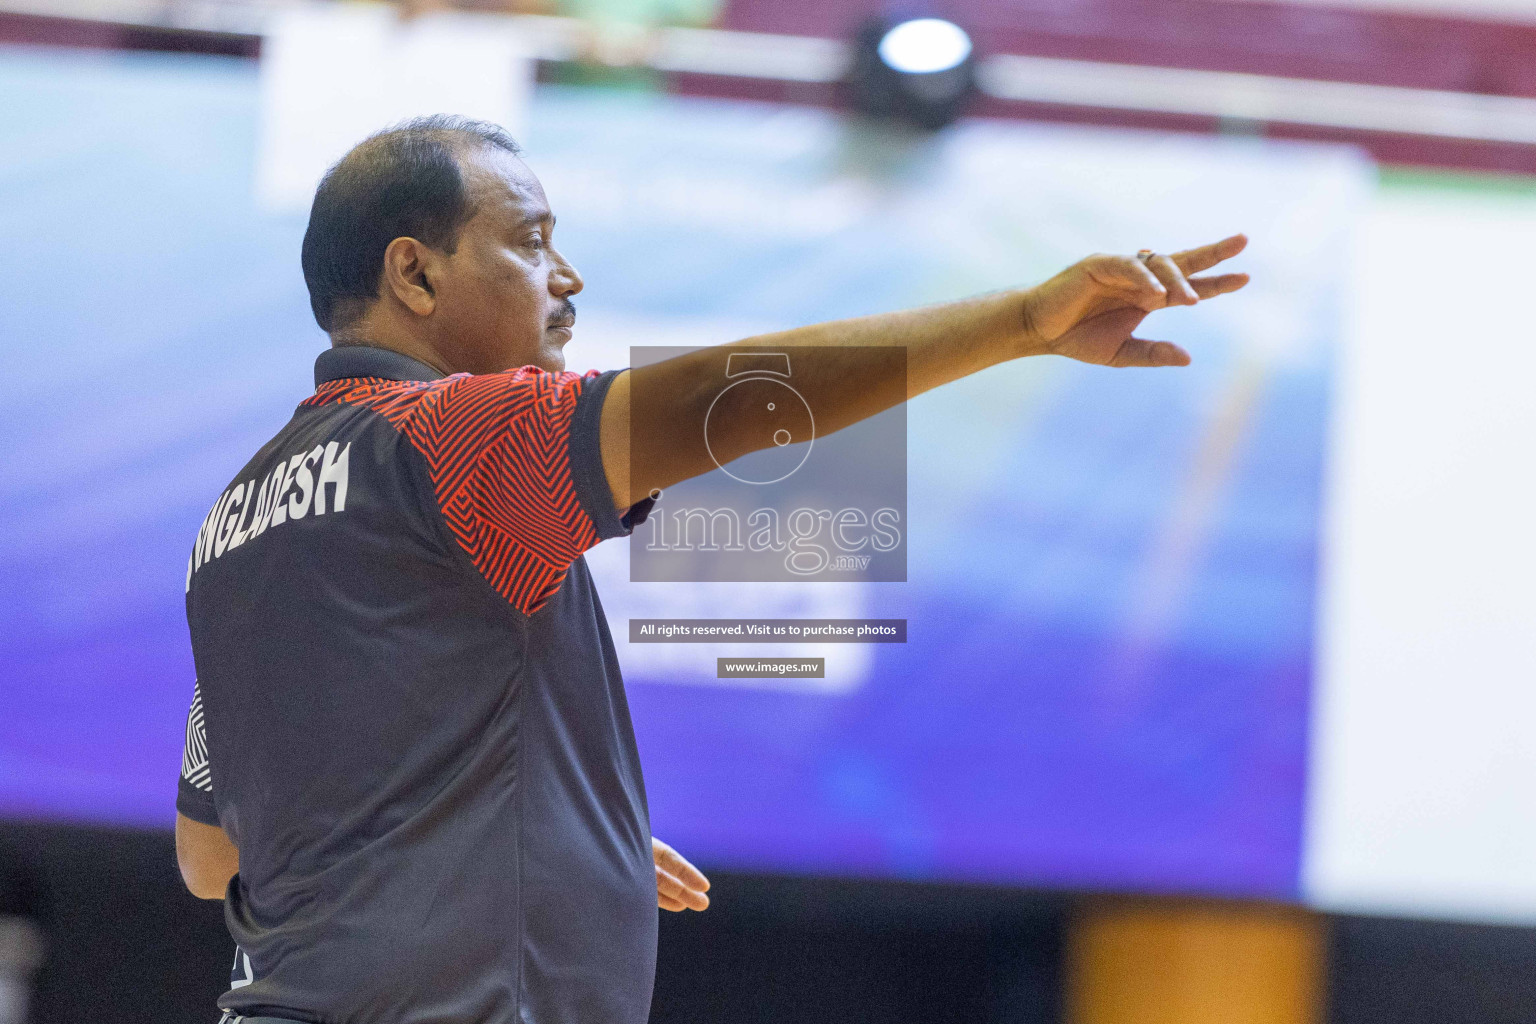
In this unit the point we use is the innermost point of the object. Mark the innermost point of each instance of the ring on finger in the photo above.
(1144, 254)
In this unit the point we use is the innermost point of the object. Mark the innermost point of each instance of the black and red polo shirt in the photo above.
(409, 716)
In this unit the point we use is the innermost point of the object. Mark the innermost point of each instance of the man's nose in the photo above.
(564, 281)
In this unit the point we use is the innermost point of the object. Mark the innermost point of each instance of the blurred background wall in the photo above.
(1213, 703)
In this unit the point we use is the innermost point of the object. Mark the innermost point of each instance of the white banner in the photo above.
(331, 76)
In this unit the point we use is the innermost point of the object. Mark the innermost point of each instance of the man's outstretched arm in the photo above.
(848, 370)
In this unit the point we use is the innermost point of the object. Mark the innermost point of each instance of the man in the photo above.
(410, 770)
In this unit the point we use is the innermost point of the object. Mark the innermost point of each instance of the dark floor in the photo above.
(129, 945)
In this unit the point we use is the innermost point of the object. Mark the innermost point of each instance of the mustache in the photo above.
(565, 316)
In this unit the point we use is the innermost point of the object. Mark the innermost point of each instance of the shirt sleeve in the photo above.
(587, 472)
(517, 466)
(194, 792)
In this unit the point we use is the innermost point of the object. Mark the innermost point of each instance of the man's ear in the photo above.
(409, 267)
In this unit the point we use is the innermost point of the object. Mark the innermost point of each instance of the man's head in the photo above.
(433, 238)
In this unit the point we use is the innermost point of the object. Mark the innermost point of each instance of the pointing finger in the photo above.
(1192, 261)
(1217, 284)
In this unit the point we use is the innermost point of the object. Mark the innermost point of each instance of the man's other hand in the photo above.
(679, 885)
(1089, 311)
(208, 860)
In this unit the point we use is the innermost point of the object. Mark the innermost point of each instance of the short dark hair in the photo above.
(406, 180)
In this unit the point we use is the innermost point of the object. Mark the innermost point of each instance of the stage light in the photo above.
(920, 70)
(924, 46)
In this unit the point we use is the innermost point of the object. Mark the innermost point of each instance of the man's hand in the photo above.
(1088, 311)
(208, 860)
(679, 885)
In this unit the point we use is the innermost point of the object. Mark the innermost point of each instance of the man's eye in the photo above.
(536, 242)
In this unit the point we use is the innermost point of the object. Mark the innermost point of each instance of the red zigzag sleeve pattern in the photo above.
(498, 447)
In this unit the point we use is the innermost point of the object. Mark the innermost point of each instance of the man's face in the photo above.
(505, 299)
